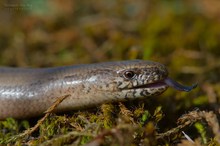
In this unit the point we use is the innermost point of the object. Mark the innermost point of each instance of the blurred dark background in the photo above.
(183, 34)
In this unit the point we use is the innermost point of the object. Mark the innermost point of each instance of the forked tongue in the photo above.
(178, 86)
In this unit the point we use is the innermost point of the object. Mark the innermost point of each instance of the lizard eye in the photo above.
(129, 74)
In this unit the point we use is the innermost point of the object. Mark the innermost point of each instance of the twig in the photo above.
(39, 122)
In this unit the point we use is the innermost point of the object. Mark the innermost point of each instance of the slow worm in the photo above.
(28, 92)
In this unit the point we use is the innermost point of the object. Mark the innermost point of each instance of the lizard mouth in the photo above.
(152, 85)
(168, 82)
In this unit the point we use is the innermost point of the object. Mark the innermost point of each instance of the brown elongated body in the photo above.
(27, 92)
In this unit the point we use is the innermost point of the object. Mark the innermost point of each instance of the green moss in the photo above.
(201, 129)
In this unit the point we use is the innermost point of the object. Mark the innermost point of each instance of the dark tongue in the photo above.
(178, 86)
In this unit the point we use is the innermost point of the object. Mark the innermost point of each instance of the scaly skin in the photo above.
(26, 92)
